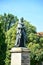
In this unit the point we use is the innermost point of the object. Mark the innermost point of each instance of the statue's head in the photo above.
(22, 19)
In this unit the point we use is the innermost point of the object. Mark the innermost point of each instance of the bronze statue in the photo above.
(21, 35)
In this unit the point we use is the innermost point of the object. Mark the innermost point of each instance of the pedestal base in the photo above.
(20, 56)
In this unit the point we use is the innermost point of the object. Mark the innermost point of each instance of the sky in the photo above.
(30, 10)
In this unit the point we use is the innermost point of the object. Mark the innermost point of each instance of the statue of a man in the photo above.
(21, 35)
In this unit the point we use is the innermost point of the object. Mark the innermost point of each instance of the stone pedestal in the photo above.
(20, 56)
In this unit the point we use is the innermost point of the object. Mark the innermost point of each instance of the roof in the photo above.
(40, 33)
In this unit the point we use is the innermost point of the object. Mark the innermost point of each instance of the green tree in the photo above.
(8, 30)
(36, 54)
(2, 45)
(8, 20)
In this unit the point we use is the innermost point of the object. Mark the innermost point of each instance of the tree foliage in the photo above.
(8, 20)
(8, 28)
(3, 45)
